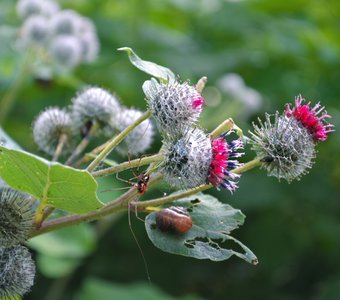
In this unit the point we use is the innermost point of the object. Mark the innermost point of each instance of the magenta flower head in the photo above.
(223, 162)
(308, 117)
(195, 159)
(174, 105)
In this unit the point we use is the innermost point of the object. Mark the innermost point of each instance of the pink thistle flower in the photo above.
(308, 116)
(195, 159)
(198, 103)
(221, 165)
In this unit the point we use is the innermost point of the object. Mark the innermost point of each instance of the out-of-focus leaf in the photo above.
(98, 289)
(59, 252)
(212, 223)
(57, 185)
(6, 141)
(54, 266)
(149, 67)
(77, 241)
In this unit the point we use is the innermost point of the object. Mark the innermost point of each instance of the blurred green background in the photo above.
(280, 49)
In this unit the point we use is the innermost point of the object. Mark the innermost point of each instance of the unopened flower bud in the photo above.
(140, 138)
(27, 8)
(174, 105)
(187, 160)
(17, 272)
(48, 128)
(16, 219)
(89, 45)
(65, 22)
(66, 50)
(95, 105)
(35, 30)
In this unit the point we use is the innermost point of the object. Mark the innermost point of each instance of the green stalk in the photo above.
(128, 164)
(225, 126)
(117, 205)
(122, 203)
(114, 143)
(9, 98)
(84, 142)
(166, 199)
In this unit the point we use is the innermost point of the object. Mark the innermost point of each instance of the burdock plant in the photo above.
(190, 159)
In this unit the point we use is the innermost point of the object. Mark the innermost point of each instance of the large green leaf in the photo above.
(57, 185)
(212, 223)
(149, 67)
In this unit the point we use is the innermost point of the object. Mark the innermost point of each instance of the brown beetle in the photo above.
(174, 219)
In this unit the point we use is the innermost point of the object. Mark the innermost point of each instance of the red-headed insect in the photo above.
(142, 182)
(174, 219)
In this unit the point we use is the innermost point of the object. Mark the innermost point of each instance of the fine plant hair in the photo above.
(16, 222)
(284, 146)
(17, 272)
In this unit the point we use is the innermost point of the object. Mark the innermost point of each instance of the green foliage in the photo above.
(60, 252)
(149, 67)
(212, 223)
(52, 183)
(279, 48)
(94, 288)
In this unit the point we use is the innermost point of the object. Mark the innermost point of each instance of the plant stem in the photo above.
(8, 99)
(92, 155)
(60, 146)
(82, 145)
(106, 151)
(163, 200)
(117, 205)
(171, 198)
(225, 126)
(201, 84)
(248, 166)
(122, 203)
(128, 164)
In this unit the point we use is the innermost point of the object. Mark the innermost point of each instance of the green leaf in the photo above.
(212, 223)
(57, 185)
(149, 67)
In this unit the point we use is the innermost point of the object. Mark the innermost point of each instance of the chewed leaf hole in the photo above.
(208, 238)
(189, 244)
(195, 201)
